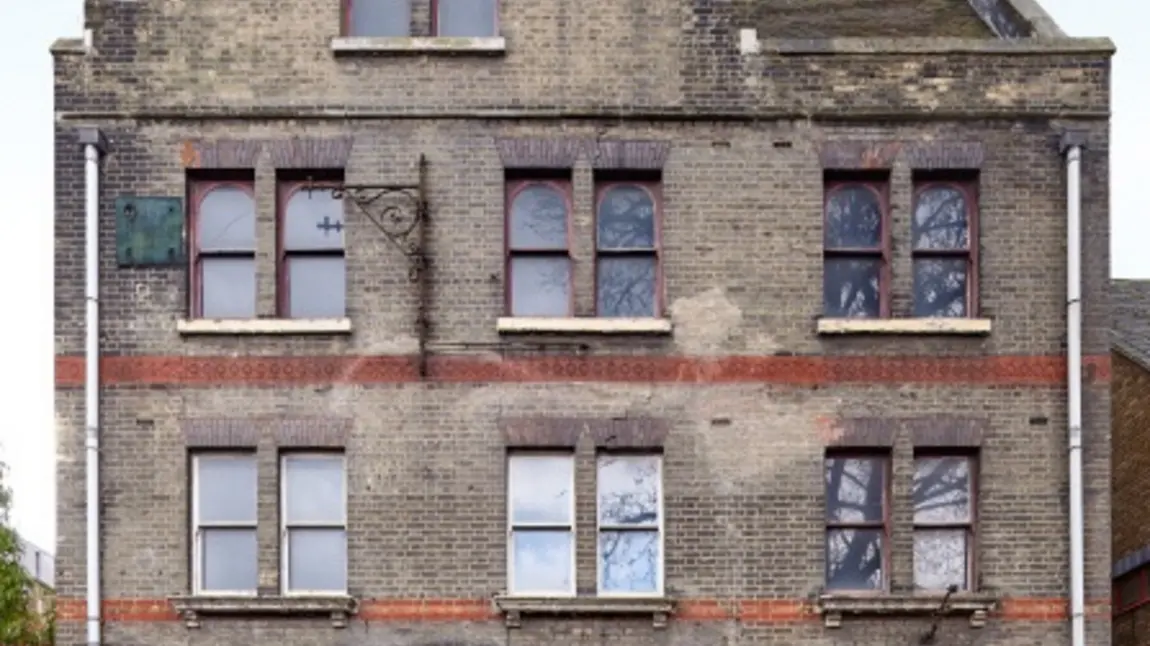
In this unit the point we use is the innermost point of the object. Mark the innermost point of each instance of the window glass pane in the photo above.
(226, 489)
(940, 219)
(317, 560)
(629, 561)
(317, 286)
(229, 288)
(855, 489)
(380, 18)
(541, 561)
(227, 220)
(628, 490)
(626, 286)
(854, 559)
(851, 287)
(466, 18)
(940, 287)
(315, 491)
(541, 489)
(538, 219)
(941, 490)
(626, 219)
(540, 286)
(853, 219)
(940, 558)
(313, 220)
(229, 560)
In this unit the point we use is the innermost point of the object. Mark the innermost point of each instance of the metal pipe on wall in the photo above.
(92, 141)
(1073, 150)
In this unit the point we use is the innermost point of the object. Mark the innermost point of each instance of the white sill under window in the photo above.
(419, 44)
(906, 326)
(582, 325)
(263, 326)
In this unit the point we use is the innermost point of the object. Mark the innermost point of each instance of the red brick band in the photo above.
(205, 371)
(419, 610)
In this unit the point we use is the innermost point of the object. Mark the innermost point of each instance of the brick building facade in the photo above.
(1130, 395)
(666, 323)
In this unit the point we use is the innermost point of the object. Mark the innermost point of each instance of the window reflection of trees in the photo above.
(941, 239)
(856, 522)
(540, 267)
(629, 535)
(628, 262)
(943, 515)
(853, 239)
(541, 501)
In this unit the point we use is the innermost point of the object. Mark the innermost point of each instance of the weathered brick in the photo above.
(742, 400)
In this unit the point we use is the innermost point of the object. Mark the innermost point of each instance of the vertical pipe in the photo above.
(1074, 389)
(92, 382)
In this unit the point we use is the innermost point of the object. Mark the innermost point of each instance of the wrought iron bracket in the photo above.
(399, 211)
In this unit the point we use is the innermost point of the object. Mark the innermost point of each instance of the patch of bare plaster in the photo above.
(707, 323)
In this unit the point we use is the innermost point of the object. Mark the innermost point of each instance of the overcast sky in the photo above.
(27, 435)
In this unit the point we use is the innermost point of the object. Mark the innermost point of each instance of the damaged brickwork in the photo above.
(742, 397)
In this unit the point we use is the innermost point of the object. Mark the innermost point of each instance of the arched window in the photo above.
(945, 258)
(224, 250)
(856, 245)
(538, 252)
(627, 271)
(313, 266)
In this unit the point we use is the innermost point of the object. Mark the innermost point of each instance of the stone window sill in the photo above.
(263, 326)
(976, 606)
(582, 325)
(490, 45)
(513, 608)
(920, 326)
(192, 608)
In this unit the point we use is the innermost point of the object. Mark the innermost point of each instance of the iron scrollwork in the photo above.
(398, 210)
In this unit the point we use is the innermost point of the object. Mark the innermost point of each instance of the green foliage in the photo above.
(19, 621)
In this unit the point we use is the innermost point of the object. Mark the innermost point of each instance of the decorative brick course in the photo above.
(221, 433)
(221, 154)
(311, 152)
(538, 153)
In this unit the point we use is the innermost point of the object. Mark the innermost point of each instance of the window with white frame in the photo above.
(541, 524)
(630, 553)
(314, 517)
(224, 546)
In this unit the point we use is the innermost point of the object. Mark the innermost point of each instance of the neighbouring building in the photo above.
(676, 322)
(1130, 401)
(41, 568)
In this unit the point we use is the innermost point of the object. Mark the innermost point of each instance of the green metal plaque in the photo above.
(149, 231)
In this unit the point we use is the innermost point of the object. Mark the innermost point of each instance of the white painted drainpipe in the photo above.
(1073, 150)
(92, 150)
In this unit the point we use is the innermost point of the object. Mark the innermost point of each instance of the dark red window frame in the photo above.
(880, 186)
(883, 525)
(968, 186)
(435, 17)
(654, 188)
(971, 527)
(197, 189)
(513, 187)
(285, 189)
(1142, 579)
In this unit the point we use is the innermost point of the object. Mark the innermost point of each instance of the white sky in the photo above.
(27, 435)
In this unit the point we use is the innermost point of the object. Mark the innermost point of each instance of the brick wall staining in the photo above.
(750, 135)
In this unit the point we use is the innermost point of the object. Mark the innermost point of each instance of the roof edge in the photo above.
(1014, 19)
(1128, 350)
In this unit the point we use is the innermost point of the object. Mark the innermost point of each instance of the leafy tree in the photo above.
(20, 624)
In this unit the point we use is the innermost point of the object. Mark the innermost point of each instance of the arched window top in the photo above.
(313, 219)
(537, 217)
(941, 218)
(854, 215)
(226, 219)
(625, 218)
